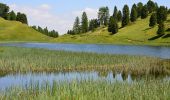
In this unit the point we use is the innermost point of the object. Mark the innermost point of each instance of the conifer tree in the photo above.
(12, 15)
(133, 15)
(161, 14)
(144, 12)
(84, 23)
(153, 20)
(125, 18)
(119, 16)
(113, 26)
(76, 26)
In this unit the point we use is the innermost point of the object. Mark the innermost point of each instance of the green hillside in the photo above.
(16, 31)
(136, 33)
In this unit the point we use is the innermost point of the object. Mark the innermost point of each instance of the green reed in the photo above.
(13, 59)
(92, 90)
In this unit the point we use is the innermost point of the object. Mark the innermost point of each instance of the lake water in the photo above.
(32, 78)
(154, 51)
(23, 80)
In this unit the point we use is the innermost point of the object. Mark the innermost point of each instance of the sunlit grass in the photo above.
(16, 31)
(136, 33)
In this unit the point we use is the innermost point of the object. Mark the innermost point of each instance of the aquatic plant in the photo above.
(14, 59)
(92, 90)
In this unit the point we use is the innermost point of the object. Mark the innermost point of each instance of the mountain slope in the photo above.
(136, 33)
(16, 31)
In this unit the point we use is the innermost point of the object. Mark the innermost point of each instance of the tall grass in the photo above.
(92, 90)
(13, 59)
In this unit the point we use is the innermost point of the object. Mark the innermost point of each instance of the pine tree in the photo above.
(119, 16)
(133, 15)
(113, 26)
(144, 12)
(84, 23)
(76, 26)
(139, 8)
(12, 15)
(151, 6)
(115, 13)
(161, 29)
(153, 20)
(125, 19)
(161, 14)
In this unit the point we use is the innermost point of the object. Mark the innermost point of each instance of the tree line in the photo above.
(84, 25)
(45, 31)
(139, 10)
(11, 15)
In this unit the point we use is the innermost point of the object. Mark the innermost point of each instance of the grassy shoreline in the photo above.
(126, 44)
(15, 59)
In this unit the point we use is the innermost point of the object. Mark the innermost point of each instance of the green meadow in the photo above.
(13, 31)
(137, 33)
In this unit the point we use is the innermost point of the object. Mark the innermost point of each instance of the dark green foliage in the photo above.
(151, 6)
(21, 18)
(93, 24)
(144, 12)
(12, 15)
(139, 8)
(53, 34)
(125, 18)
(4, 9)
(45, 31)
(113, 26)
(103, 15)
(161, 14)
(169, 11)
(70, 32)
(119, 16)
(133, 15)
(115, 13)
(84, 23)
(153, 20)
(76, 26)
(161, 29)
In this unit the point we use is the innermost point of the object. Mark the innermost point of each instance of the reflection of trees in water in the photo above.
(114, 74)
(103, 73)
(124, 76)
(2, 74)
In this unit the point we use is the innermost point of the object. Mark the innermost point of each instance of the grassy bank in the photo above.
(16, 31)
(138, 33)
(92, 90)
(13, 59)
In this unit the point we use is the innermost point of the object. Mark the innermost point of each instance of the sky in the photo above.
(60, 14)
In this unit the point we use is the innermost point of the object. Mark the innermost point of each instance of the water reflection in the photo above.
(28, 78)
